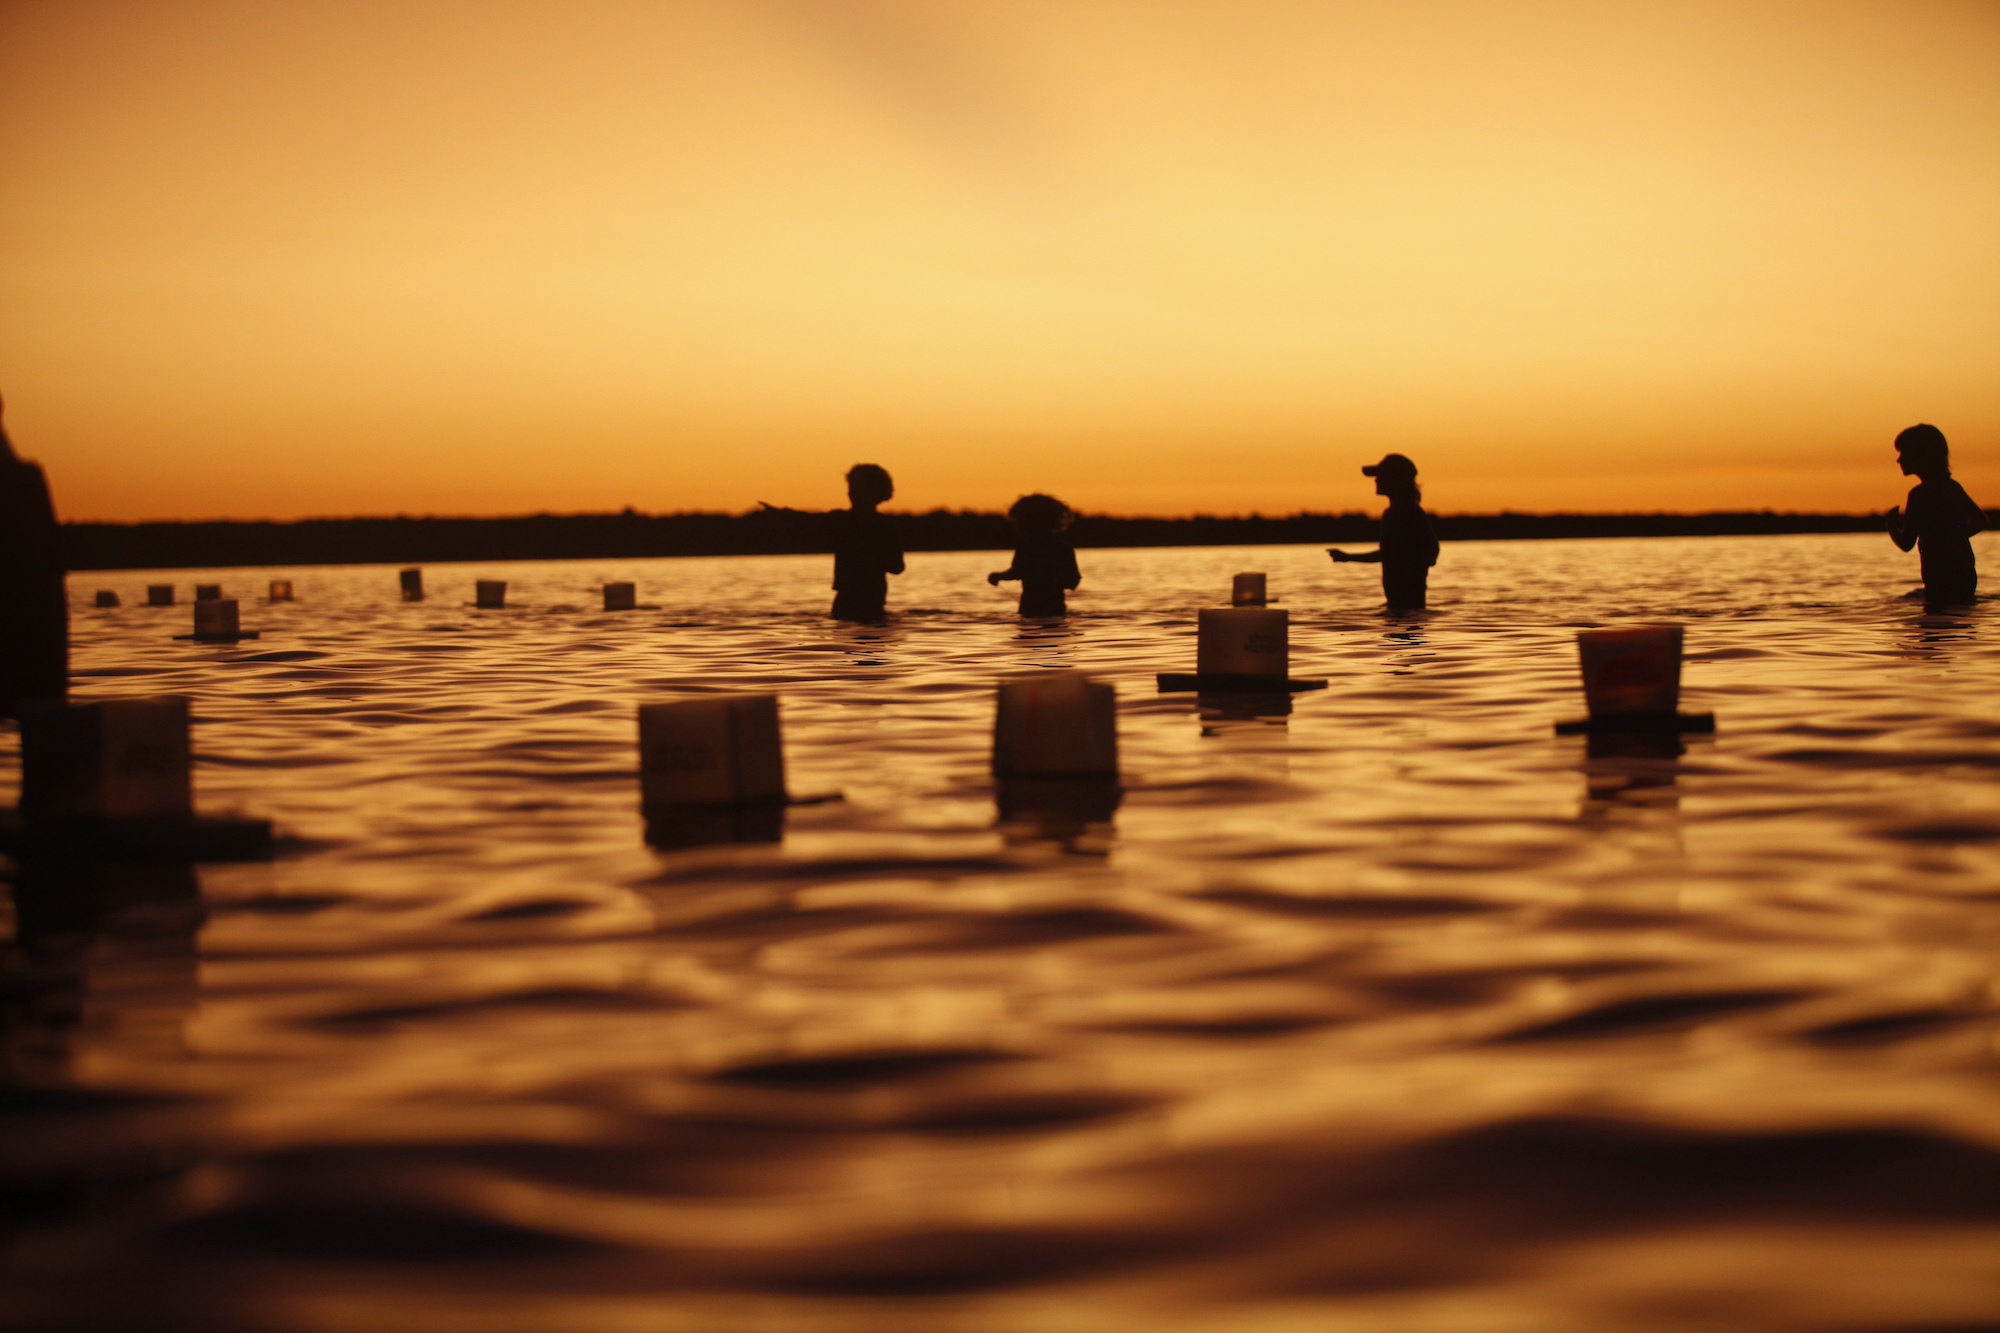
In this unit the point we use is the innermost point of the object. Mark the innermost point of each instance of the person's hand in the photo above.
(1895, 514)
(1339, 557)
(993, 579)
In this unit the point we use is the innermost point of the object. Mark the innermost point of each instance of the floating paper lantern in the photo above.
(489, 593)
(413, 584)
(1247, 590)
(621, 596)
(1056, 724)
(281, 590)
(216, 619)
(159, 594)
(714, 750)
(119, 759)
(1631, 671)
(1243, 641)
(106, 597)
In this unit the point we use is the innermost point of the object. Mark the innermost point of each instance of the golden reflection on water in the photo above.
(1374, 1007)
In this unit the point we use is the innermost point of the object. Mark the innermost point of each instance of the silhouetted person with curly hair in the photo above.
(34, 606)
(1409, 544)
(1044, 561)
(1939, 519)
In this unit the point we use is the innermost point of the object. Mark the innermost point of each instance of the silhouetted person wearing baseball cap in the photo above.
(1409, 543)
(1939, 519)
(34, 608)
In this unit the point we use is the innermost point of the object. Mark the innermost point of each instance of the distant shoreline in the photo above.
(635, 536)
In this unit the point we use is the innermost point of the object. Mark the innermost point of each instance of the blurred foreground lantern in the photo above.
(115, 779)
(723, 749)
(1636, 670)
(1059, 724)
(123, 758)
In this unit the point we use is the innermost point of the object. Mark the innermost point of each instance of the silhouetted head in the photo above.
(1040, 513)
(1394, 476)
(868, 485)
(1922, 452)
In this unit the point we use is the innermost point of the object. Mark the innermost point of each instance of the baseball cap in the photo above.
(1391, 465)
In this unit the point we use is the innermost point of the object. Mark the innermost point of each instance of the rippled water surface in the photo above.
(1398, 1013)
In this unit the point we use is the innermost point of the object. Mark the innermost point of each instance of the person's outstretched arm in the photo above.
(1350, 558)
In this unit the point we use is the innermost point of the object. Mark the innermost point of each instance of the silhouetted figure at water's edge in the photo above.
(1939, 519)
(34, 606)
(866, 549)
(1044, 560)
(1409, 544)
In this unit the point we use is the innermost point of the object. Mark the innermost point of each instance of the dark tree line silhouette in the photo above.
(631, 535)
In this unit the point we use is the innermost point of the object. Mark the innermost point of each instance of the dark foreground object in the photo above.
(156, 839)
(1620, 724)
(1225, 682)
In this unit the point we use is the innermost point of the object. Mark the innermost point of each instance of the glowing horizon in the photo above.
(512, 256)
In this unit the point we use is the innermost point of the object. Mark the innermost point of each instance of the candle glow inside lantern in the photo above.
(1055, 724)
(159, 594)
(281, 590)
(489, 593)
(1243, 641)
(1634, 671)
(106, 597)
(723, 749)
(412, 581)
(1247, 590)
(621, 596)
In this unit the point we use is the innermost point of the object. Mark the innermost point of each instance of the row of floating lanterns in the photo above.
(711, 768)
(218, 619)
(486, 592)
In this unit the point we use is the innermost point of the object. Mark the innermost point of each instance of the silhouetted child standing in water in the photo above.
(1939, 519)
(866, 550)
(1409, 543)
(1043, 560)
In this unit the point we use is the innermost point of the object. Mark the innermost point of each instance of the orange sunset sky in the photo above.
(281, 258)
